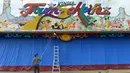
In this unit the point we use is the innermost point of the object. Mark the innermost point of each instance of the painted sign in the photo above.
(63, 16)
(56, 11)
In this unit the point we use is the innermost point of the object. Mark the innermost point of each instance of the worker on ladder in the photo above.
(36, 61)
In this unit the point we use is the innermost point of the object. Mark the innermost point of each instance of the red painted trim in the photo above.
(79, 67)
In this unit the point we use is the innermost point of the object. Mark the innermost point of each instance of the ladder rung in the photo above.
(56, 55)
(56, 52)
(56, 68)
(56, 47)
(56, 61)
(56, 65)
(56, 58)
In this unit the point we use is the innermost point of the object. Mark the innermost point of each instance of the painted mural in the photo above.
(63, 16)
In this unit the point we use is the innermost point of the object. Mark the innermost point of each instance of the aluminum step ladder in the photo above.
(56, 65)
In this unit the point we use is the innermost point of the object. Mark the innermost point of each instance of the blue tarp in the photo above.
(88, 51)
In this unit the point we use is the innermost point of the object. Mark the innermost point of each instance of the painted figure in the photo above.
(77, 24)
(102, 22)
(45, 25)
(116, 24)
(62, 24)
(107, 22)
(71, 26)
(55, 26)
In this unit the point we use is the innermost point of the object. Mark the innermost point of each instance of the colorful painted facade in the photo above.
(63, 16)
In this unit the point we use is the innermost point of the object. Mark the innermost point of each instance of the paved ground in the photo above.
(93, 71)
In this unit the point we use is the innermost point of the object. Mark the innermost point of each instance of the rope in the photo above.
(46, 47)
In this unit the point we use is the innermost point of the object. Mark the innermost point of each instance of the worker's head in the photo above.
(35, 55)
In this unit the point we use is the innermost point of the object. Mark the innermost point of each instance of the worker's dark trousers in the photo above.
(36, 68)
